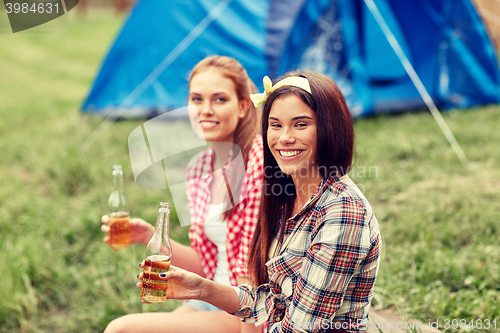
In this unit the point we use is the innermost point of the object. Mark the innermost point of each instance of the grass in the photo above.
(439, 221)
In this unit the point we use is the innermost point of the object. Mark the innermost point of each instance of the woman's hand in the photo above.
(186, 285)
(140, 230)
(181, 284)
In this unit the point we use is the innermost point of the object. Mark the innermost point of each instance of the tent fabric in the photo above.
(147, 67)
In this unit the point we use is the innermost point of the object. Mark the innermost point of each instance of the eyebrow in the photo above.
(294, 118)
(214, 94)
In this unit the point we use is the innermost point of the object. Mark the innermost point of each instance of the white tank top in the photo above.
(216, 231)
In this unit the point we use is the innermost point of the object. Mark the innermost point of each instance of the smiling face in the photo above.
(292, 136)
(217, 105)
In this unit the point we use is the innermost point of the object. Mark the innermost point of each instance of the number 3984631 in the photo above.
(34, 8)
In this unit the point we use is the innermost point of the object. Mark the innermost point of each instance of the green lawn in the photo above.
(439, 221)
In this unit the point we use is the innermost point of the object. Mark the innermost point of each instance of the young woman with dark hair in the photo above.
(315, 255)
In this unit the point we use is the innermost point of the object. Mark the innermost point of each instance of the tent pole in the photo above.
(417, 82)
(155, 73)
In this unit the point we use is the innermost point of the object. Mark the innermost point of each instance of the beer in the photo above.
(153, 289)
(157, 259)
(119, 235)
(118, 212)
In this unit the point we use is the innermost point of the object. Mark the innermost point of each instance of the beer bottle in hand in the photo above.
(157, 259)
(118, 210)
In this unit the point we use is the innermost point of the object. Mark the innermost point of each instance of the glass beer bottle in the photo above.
(118, 210)
(157, 260)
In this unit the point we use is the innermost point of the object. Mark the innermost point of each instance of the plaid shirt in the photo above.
(242, 221)
(324, 274)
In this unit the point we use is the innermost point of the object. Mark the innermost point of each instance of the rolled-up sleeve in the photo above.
(252, 303)
(246, 294)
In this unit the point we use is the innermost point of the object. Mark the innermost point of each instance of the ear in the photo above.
(243, 107)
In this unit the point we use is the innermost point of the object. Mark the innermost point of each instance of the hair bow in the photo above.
(296, 81)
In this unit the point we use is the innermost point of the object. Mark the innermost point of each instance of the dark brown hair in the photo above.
(247, 127)
(335, 144)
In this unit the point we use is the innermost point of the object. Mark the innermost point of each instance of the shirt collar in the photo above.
(325, 183)
(291, 223)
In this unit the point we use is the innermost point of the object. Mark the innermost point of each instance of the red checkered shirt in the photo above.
(323, 275)
(242, 221)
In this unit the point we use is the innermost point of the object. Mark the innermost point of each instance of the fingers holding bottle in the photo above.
(140, 231)
(178, 283)
(105, 227)
(182, 284)
(140, 277)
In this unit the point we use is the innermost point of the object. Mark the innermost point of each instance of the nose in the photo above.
(286, 137)
(205, 108)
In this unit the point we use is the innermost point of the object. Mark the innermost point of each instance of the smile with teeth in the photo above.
(289, 153)
(208, 124)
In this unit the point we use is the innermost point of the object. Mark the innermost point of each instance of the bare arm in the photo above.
(186, 257)
(220, 295)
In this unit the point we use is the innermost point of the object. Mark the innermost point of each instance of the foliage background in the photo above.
(439, 221)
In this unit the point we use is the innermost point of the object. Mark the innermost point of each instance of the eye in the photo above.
(301, 125)
(220, 100)
(195, 99)
(275, 125)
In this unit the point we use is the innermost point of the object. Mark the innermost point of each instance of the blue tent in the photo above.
(382, 53)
